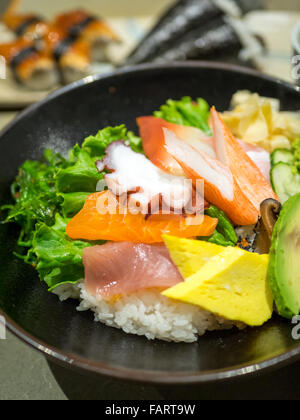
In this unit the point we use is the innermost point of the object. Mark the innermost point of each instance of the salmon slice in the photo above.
(247, 175)
(123, 268)
(151, 132)
(92, 224)
(220, 186)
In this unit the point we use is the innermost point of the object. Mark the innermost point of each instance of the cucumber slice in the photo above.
(282, 155)
(284, 181)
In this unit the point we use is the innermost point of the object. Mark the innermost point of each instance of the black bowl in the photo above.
(72, 338)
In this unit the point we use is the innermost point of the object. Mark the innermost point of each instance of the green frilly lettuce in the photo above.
(48, 192)
(186, 112)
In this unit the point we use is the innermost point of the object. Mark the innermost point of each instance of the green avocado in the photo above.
(284, 268)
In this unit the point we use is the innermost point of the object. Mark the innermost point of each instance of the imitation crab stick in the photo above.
(151, 131)
(247, 175)
(103, 218)
(221, 187)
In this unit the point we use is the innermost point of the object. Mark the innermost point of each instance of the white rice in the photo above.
(148, 313)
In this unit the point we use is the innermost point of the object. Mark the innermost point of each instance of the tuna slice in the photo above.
(118, 269)
(248, 177)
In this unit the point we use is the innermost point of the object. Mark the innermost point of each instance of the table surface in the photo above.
(26, 374)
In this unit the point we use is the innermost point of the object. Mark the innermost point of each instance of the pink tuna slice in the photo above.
(123, 268)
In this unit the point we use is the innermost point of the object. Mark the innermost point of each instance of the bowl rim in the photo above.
(129, 374)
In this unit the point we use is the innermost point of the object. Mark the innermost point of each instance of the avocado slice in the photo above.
(284, 267)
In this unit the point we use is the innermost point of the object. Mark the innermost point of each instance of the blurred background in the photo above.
(47, 44)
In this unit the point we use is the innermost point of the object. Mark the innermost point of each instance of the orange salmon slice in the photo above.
(92, 224)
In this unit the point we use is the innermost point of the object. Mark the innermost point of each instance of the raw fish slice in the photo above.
(178, 20)
(151, 131)
(221, 188)
(248, 177)
(92, 223)
(118, 269)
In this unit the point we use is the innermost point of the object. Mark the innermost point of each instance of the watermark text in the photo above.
(181, 197)
(296, 68)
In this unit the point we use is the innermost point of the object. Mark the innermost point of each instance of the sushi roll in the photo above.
(80, 24)
(30, 67)
(184, 17)
(72, 55)
(30, 26)
(222, 39)
(8, 7)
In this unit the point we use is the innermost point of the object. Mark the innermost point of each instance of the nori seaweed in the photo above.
(181, 22)
(214, 40)
(184, 16)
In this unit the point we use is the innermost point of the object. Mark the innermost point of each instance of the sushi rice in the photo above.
(148, 313)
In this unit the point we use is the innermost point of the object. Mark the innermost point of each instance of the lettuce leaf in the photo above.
(224, 234)
(186, 112)
(73, 203)
(79, 176)
(216, 238)
(96, 145)
(82, 175)
(34, 192)
(59, 259)
(134, 142)
(49, 191)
